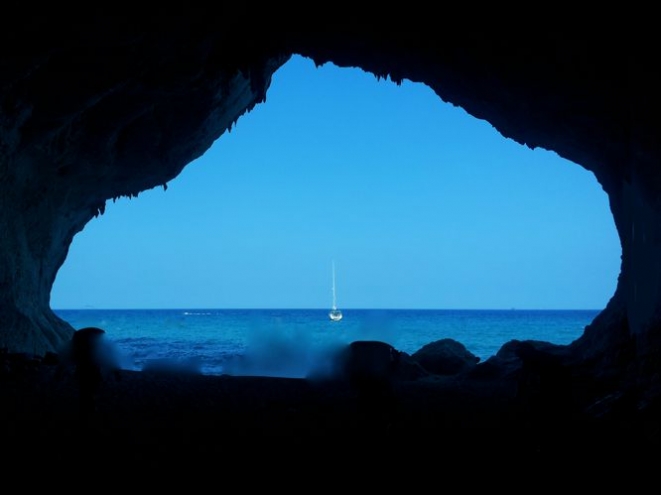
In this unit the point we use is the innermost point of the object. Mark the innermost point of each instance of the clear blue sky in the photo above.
(419, 204)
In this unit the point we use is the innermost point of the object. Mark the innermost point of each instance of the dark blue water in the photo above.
(281, 342)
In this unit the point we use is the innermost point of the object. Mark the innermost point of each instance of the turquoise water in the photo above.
(292, 343)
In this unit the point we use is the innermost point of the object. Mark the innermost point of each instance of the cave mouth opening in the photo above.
(422, 207)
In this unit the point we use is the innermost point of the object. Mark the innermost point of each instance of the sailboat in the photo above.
(334, 314)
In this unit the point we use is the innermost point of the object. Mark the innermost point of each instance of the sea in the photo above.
(298, 343)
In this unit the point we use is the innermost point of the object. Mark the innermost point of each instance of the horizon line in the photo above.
(202, 308)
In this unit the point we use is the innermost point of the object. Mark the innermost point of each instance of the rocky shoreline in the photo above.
(168, 419)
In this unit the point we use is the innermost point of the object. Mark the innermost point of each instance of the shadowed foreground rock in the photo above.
(156, 420)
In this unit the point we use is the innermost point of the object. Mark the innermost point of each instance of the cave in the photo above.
(104, 109)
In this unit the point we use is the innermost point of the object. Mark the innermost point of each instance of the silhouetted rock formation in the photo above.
(445, 357)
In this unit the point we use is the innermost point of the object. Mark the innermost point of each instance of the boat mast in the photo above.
(334, 303)
(335, 314)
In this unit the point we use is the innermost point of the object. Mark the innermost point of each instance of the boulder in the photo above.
(445, 357)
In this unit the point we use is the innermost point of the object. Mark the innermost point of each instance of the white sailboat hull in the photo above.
(335, 315)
